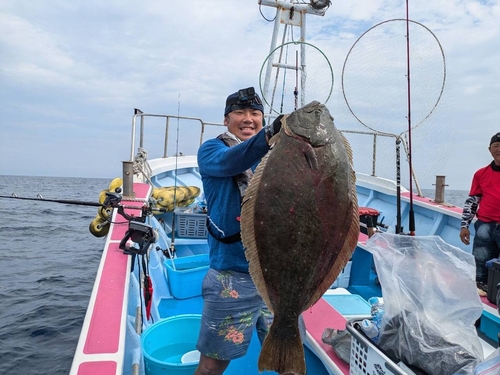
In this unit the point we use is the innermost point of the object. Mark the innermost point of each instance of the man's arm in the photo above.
(218, 160)
(470, 209)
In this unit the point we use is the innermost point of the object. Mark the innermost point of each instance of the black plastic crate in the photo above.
(493, 282)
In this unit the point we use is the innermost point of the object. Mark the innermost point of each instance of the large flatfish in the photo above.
(299, 225)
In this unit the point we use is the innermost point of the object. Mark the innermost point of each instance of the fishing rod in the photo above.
(171, 249)
(112, 200)
(399, 228)
(411, 213)
(39, 198)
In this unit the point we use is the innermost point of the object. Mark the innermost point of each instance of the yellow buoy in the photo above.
(186, 202)
(114, 184)
(102, 196)
(99, 227)
(104, 212)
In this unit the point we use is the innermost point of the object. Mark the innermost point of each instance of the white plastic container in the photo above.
(370, 329)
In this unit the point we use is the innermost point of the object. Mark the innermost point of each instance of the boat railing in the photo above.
(398, 139)
(138, 114)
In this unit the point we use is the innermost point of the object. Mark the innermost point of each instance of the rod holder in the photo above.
(439, 192)
(128, 179)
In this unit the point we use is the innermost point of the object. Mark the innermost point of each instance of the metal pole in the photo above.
(374, 155)
(165, 147)
(269, 68)
(303, 73)
(128, 179)
(439, 192)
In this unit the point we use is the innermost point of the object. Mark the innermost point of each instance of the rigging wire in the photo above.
(262, 14)
(277, 71)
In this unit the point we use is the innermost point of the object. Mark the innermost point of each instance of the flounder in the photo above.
(299, 225)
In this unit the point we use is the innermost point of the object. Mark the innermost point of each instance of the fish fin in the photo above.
(274, 139)
(248, 233)
(282, 356)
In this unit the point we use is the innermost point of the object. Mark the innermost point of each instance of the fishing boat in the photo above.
(143, 314)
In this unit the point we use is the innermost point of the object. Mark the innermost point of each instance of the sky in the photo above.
(72, 72)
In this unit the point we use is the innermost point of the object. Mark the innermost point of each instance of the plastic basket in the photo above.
(185, 276)
(191, 225)
(366, 358)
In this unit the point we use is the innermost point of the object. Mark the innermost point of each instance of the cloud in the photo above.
(71, 74)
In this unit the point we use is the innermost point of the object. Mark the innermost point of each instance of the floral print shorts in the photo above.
(232, 309)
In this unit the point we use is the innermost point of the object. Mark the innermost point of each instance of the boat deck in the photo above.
(101, 344)
(102, 341)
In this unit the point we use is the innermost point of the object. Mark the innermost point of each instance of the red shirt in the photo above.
(486, 184)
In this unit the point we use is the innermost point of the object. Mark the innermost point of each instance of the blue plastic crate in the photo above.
(186, 275)
(490, 325)
(191, 225)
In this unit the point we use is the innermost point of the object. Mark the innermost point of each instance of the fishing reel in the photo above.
(142, 234)
(138, 231)
(112, 200)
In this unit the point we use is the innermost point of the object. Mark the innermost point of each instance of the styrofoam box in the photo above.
(342, 280)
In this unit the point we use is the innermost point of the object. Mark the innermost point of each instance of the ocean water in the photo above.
(454, 197)
(48, 265)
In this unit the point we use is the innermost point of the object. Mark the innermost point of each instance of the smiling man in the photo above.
(232, 307)
(484, 202)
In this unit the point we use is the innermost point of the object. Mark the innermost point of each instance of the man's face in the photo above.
(495, 152)
(244, 123)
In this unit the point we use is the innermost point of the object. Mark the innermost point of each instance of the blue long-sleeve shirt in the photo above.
(218, 164)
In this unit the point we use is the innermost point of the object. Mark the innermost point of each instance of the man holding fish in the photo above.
(299, 227)
(233, 307)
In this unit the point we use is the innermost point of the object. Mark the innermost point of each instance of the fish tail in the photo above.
(282, 356)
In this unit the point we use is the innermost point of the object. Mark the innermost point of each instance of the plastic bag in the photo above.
(340, 340)
(430, 302)
(490, 365)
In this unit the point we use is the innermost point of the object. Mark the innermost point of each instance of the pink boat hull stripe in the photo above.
(320, 316)
(432, 203)
(104, 330)
(101, 368)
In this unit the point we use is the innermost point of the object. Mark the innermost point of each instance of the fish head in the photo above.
(312, 123)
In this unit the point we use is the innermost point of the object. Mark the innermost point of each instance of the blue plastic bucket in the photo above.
(165, 343)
